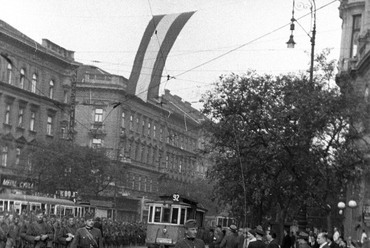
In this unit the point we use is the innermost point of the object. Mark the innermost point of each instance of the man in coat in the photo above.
(67, 233)
(322, 240)
(271, 239)
(219, 236)
(38, 232)
(231, 240)
(190, 240)
(88, 236)
(257, 242)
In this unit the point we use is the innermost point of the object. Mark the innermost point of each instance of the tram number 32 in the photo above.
(175, 197)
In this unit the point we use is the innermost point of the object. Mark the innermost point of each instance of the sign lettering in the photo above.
(175, 197)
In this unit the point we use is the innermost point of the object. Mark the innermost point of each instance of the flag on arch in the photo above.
(156, 43)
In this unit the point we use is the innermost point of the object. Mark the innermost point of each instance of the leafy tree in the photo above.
(63, 166)
(283, 143)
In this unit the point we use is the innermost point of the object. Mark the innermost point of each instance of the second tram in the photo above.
(23, 203)
(167, 217)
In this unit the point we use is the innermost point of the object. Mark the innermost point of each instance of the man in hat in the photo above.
(88, 236)
(38, 233)
(67, 233)
(231, 239)
(258, 235)
(190, 240)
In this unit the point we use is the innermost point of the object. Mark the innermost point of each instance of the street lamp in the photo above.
(352, 204)
(312, 36)
(341, 206)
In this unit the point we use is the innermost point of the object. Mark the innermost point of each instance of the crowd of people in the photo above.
(36, 230)
(232, 237)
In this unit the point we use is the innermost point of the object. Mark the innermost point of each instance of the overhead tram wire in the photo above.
(245, 44)
(161, 53)
(226, 53)
(233, 50)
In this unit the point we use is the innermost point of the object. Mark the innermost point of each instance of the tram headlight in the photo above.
(164, 230)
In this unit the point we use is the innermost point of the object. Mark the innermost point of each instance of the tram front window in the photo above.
(182, 217)
(175, 215)
(157, 214)
(166, 215)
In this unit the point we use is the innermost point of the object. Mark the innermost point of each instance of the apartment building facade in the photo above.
(151, 141)
(354, 78)
(34, 93)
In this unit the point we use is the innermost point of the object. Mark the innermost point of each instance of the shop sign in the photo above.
(17, 184)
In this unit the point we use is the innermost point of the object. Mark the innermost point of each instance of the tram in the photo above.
(219, 220)
(167, 217)
(23, 203)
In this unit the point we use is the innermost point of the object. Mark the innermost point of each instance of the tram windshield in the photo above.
(173, 214)
(160, 213)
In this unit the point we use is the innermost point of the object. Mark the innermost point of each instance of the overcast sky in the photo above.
(224, 35)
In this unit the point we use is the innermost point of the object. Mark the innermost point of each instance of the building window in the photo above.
(149, 126)
(147, 154)
(97, 143)
(139, 186)
(180, 165)
(4, 156)
(154, 131)
(49, 126)
(123, 124)
(51, 89)
(356, 27)
(10, 74)
(131, 122)
(17, 155)
(63, 133)
(151, 185)
(142, 154)
(32, 121)
(160, 134)
(65, 97)
(166, 164)
(98, 115)
(20, 116)
(145, 184)
(34, 83)
(21, 79)
(133, 182)
(7, 114)
(143, 127)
